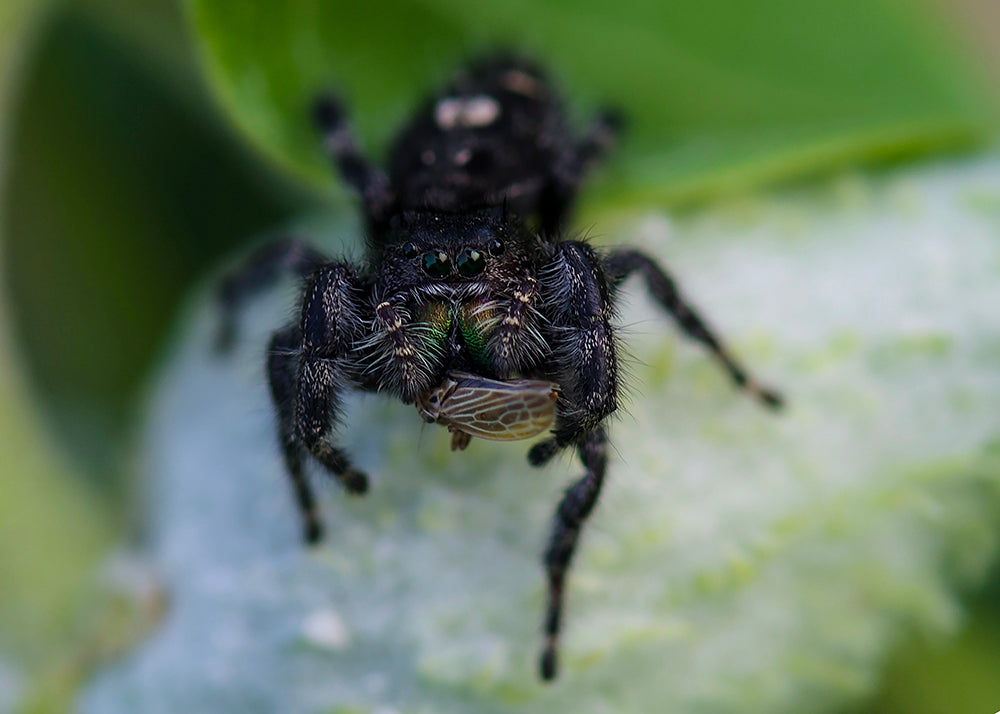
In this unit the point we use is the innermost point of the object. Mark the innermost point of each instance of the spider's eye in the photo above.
(495, 247)
(410, 250)
(437, 263)
(470, 262)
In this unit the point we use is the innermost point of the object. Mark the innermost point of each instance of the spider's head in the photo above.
(430, 247)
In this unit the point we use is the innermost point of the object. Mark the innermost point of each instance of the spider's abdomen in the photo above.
(491, 135)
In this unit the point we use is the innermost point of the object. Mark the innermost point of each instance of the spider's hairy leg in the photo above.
(331, 323)
(572, 168)
(282, 358)
(577, 504)
(576, 295)
(622, 263)
(258, 272)
(584, 348)
(369, 182)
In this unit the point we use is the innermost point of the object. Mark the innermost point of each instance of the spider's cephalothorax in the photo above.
(468, 272)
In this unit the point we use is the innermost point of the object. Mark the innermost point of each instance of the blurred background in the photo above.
(124, 184)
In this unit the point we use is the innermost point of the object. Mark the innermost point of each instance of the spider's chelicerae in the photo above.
(468, 270)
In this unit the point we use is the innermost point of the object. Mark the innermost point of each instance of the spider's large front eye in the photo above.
(437, 264)
(470, 262)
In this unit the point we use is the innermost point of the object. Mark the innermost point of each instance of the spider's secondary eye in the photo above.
(410, 250)
(470, 262)
(495, 247)
(437, 263)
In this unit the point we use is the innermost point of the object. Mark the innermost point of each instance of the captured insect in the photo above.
(470, 405)
(472, 301)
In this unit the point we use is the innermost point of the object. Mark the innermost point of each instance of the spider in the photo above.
(468, 270)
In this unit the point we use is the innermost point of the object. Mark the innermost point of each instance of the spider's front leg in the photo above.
(575, 293)
(308, 396)
(662, 287)
(577, 305)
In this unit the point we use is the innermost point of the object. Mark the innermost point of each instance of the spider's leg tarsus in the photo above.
(576, 506)
(622, 263)
(328, 113)
(542, 452)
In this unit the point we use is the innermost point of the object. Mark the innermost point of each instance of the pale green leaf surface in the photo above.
(738, 561)
(720, 95)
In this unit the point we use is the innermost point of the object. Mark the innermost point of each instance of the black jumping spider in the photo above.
(468, 269)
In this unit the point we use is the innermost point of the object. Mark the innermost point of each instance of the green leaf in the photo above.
(83, 256)
(52, 530)
(720, 95)
(738, 560)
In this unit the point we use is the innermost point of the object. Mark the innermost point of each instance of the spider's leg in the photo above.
(331, 323)
(576, 505)
(577, 303)
(369, 182)
(259, 271)
(577, 300)
(662, 287)
(282, 357)
(572, 168)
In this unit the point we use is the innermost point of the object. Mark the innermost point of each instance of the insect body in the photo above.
(468, 272)
(470, 405)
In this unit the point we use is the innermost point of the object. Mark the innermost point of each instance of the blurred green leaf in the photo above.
(52, 530)
(721, 94)
(122, 187)
(936, 675)
(739, 561)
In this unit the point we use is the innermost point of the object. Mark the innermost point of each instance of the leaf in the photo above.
(738, 561)
(52, 530)
(720, 95)
(83, 256)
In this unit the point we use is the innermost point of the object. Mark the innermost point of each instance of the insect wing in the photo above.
(500, 411)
